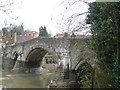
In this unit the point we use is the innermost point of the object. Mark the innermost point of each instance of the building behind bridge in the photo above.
(26, 37)
(70, 36)
(9, 37)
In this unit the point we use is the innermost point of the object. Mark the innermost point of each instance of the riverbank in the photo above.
(63, 80)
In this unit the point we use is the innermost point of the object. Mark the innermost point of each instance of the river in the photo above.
(22, 80)
(26, 80)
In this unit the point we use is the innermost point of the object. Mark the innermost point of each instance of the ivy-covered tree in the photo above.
(43, 32)
(5, 35)
(104, 18)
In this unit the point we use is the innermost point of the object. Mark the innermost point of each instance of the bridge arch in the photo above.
(34, 55)
(84, 72)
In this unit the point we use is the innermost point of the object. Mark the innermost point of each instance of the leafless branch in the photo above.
(74, 22)
(8, 6)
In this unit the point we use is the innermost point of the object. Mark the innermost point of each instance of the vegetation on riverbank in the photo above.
(104, 18)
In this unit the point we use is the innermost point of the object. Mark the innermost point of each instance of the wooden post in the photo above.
(93, 78)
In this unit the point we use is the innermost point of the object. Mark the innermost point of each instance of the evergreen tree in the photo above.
(104, 18)
(43, 32)
(73, 35)
(66, 34)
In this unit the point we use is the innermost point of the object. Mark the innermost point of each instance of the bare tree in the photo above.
(8, 6)
(74, 16)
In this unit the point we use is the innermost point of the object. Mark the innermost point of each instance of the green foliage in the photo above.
(86, 82)
(65, 34)
(116, 75)
(7, 36)
(43, 31)
(48, 55)
(104, 18)
(73, 35)
(84, 75)
(8, 33)
(18, 29)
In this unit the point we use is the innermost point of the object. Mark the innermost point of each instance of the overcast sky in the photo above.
(36, 13)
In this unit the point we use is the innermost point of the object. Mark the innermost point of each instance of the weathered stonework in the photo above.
(64, 50)
(80, 49)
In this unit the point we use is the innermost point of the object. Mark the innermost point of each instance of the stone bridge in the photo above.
(64, 50)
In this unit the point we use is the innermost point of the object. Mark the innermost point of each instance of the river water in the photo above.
(26, 80)
(22, 80)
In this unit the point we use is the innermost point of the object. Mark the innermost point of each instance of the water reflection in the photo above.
(17, 80)
(27, 80)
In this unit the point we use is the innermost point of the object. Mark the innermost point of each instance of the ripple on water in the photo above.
(4, 78)
(27, 74)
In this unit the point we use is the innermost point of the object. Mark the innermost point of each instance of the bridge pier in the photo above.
(65, 62)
